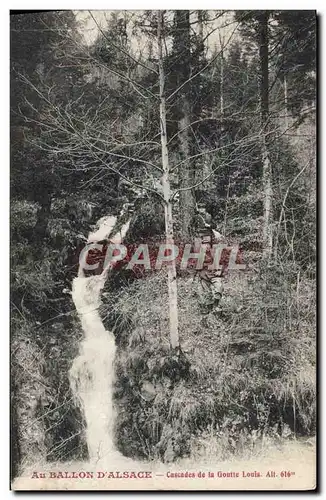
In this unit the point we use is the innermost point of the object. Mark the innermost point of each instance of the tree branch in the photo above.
(203, 69)
(120, 48)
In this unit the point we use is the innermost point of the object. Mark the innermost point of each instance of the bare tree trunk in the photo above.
(222, 76)
(186, 172)
(200, 26)
(172, 275)
(227, 205)
(286, 117)
(268, 201)
(267, 167)
(200, 31)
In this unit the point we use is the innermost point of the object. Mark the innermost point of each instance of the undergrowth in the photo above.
(247, 374)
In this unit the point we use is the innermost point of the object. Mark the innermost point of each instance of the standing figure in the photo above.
(211, 280)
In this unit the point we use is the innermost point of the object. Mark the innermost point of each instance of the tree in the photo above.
(172, 275)
(85, 141)
(182, 69)
(43, 232)
(295, 34)
(172, 120)
(264, 104)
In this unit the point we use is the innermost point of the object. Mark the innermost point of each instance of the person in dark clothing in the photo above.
(211, 280)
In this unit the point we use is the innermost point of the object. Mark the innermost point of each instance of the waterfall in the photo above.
(92, 373)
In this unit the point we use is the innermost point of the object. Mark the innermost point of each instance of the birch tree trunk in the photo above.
(267, 167)
(171, 267)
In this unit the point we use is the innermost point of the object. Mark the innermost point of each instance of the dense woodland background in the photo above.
(85, 139)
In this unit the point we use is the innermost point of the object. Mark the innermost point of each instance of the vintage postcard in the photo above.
(163, 250)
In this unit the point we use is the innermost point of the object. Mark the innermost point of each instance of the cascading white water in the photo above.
(92, 372)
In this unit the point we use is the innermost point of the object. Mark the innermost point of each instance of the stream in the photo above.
(92, 373)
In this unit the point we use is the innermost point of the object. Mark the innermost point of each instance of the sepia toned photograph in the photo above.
(163, 250)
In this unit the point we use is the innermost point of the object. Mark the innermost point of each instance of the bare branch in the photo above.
(186, 188)
(203, 69)
(128, 180)
(240, 142)
(66, 118)
(285, 197)
(120, 48)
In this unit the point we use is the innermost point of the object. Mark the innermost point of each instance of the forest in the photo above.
(160, 121)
